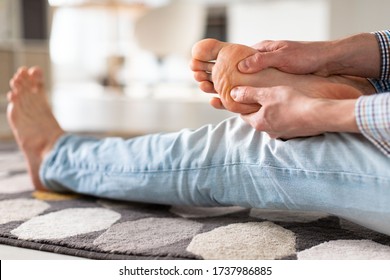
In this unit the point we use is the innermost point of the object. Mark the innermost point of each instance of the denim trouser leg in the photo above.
(230, 164)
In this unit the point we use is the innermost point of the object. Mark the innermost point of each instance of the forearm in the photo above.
(357, 55)
(330, 115)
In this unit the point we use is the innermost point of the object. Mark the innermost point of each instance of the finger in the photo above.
(197, 65)
(250, 95)
(207, 87)
(217, 103)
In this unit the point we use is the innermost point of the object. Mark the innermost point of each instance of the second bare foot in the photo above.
(32, 122)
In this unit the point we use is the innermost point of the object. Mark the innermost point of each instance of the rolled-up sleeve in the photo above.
(373, 111)
(383, 38)
(373, 119)
(380, 85)
(383, 83)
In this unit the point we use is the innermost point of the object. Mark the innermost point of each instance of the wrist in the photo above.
(334, 115)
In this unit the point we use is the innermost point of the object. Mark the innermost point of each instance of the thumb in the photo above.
(246, 95)
(256, 62)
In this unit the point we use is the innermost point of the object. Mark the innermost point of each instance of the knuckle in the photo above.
(263, 45)
(282, 92)
(266, 42)
(243, 95)
(257, 58)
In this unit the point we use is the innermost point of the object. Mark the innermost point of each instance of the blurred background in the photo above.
(121, 66)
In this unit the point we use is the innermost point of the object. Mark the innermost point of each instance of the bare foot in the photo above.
(215, 68)
(31, 119)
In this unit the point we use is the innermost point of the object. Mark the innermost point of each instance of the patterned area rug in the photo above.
(105, 229)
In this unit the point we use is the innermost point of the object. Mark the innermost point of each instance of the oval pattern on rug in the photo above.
(66, 223)
(20, 209)
(241, 241)
(346, 250)
(145, 234)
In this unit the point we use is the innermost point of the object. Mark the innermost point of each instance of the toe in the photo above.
(36, 77)
(201, 76)
(23, 79)
(20, 71)
(16, 84)
(11, 96)
(197, 65)
(207, 87)
(207, 49)
(217, 103)
(36, 72)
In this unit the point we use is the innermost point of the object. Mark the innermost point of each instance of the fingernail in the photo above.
(244, 65)
(234, 92)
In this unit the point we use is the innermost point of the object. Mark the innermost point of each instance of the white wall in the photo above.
(356, 16)
(253, 21)
(249, 21)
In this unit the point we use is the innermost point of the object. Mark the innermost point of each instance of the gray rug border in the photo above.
(26, 244)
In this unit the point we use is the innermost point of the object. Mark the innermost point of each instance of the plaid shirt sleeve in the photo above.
(373, 119)
(373, 111)
(383, 83)
(380, 85)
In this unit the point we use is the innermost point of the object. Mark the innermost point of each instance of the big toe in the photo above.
(207, 49)
(36, 77)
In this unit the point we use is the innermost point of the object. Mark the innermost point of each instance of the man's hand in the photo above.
(289, 113)
(287, 56)
(357, 55)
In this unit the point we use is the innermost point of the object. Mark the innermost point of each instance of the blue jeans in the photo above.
(230, 164)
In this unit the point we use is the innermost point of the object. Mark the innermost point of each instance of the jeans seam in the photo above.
(331, 172)
(248, 164)
(114, 170)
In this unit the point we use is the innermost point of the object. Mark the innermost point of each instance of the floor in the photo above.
(15, 253)
(85, 108)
